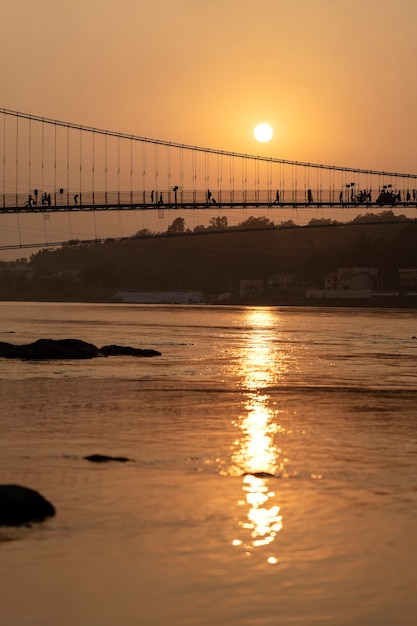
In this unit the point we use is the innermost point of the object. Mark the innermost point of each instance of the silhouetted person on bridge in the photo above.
(341, 197)
(152, 195)
(29, 201)
(408, 197)
(76, 198)
(208, 195)
(276, 201)
(161, 200)
(309, 196)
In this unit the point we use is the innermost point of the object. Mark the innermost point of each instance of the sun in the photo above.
(263, 132)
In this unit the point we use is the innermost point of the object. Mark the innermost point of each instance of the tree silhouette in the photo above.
(256, 222)
(218, 223)
(177, 226)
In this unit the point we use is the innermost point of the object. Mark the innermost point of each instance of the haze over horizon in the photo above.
(333, 78)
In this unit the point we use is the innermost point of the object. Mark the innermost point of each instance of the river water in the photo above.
(272, 477)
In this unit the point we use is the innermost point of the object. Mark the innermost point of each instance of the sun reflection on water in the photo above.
(256, 454)
(255, 450)
(263, 522)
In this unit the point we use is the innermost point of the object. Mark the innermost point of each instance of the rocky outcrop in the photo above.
(21, 505)
(52, 349)
(103, 458)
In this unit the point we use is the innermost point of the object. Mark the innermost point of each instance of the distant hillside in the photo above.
(216, 261)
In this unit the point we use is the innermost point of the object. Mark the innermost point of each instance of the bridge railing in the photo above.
(42, 201)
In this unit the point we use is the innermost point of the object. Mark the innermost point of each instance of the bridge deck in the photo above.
(43, 208)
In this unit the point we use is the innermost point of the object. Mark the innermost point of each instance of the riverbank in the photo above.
(395, 302)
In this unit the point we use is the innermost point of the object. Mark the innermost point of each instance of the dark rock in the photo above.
(103, 458)
(9, 351)
(53, 349)
(48, 349)
(127, 350)
(21, 505)
(260, 474)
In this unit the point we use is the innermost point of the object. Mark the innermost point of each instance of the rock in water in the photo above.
(103, 458)
(46, 349)
(127, 351)
(260, 474)
(21, 505)
(54, 349)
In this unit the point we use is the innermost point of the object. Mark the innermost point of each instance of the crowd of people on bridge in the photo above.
(33, 201)
(386, 196)
(348, 196)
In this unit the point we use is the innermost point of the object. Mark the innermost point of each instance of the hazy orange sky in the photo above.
(335, 78)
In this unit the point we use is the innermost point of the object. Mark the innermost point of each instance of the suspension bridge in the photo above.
(55, 167)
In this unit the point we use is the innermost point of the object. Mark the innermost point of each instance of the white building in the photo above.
(281, 282)
(408, 279)
(357, 278)
(251, 288)
(347, 282)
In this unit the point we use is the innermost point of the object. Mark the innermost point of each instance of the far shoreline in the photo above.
(394, 302)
